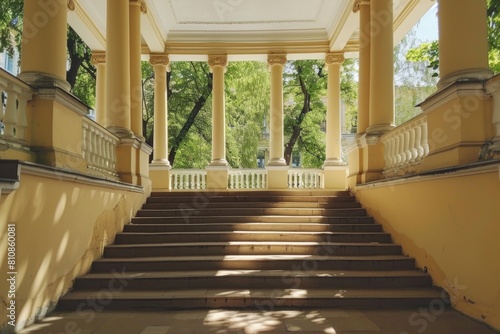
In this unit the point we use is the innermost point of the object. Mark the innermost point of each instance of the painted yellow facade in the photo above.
(434, 182)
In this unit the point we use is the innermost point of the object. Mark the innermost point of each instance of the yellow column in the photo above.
(99, 61)
(276, 147)
(277, 169)
(334, 168)
(218, 67)
(118, 68)
(161, 66)
(333, 126)
(218, 169)
(136, 8)
(381, 67)
(463, 44)
(363, 6)
(43, 61)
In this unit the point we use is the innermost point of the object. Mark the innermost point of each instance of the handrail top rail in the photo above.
(12, 78)
(94, 124)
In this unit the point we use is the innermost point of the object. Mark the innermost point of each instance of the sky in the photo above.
(428, 27)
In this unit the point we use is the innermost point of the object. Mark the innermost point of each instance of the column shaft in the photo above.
(463, 43)
(160, 140)
(218, 67)
(118, 68)
(333, 117)
(135, 69)
(43, 61)
(381, 67)
(99, 60)
(364, 67)
(276, 145)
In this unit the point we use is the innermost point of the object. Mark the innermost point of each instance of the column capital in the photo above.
(98, 57)
(358, 3)
(142, 4)
(276, 59)
(217, 60)
(334, 58)
(159, 59)
(71, 5)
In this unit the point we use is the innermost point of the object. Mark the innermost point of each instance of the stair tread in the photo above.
(260, 293)
(251, 232)
(257, 243)
(266, 257)
(254, 273)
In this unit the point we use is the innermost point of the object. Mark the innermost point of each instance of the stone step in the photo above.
(251, 248)
(227, 227)
(202, 199)
(167, 205)
(255, 279)
(262, 299)
(218, 236)
(191, 218)
(297, 213)
(254, 262)
(253, 193)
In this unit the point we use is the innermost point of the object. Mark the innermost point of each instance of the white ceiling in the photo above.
(246, 29)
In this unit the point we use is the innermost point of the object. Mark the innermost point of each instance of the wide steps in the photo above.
(270, 236)
(254, 262)
(256, 279)
(252, 249)
(262, 299)
(229, 227)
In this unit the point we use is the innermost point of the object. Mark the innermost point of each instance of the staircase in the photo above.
(261, 250)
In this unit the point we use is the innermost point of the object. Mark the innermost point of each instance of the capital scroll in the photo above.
(274, 59)
(217, 60)
(334, 58)
(71, 5)
(98, 58)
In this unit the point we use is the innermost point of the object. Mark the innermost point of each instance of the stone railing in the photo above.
(99, 149)
(248, 179)
(15, 95)
(305, 179)
(406, 146)
(188, 179)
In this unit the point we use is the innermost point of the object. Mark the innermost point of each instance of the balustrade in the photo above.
(406, 145)
(248, 179)
(305, 178)
(15, 95)
(99, 148)
(188, 179)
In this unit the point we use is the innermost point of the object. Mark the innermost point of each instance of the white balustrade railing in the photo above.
(305, 178)
(407, 144)
(188, 179)
(99, 148)
(15, 95)
(247, 179)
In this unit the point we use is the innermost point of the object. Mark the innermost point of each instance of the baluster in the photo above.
(22, 122)
(413, 147)
(425, 139)
(10, 119)
(418, 142)
(407, 152)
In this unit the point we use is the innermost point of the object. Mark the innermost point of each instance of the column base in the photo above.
(335, 177)
(277, 162)
(121, 132)
(44, 80)
(219, 163)
(160, 177)
(379, 129)
(217, 177)
(475, 74)
(277, 177)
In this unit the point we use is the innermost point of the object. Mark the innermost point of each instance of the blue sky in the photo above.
(428, 26)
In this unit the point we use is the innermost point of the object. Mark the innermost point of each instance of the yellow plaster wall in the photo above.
(61, 227)
(451, 225)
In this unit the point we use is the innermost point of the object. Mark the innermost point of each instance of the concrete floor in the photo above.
(251, 321)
